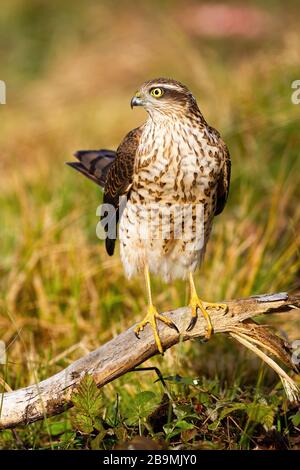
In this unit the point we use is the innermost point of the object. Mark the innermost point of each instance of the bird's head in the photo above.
(164, 96)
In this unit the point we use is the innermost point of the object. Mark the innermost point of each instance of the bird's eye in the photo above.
(156, 92)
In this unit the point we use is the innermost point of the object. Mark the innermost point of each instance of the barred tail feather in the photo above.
(94, 164)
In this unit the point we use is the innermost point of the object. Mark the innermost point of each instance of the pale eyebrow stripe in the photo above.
(163, 85)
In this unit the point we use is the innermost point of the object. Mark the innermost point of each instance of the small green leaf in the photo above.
(183, 425)
(296, 419)
(87, 399)
(213, 426)
(261, 413)
(143, 398)
(59, 428)
(226, 411)
(142, 405)
(173, 429)
(184, 411)
(268, 419)
(97, 422)
(83, 423)
(204, 398)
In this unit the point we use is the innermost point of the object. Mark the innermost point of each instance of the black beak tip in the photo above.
(133, 102)
(136, 101)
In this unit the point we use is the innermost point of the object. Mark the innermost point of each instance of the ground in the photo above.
(70, 70)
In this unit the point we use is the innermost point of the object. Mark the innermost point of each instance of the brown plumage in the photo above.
(120, 176)
(175, 159)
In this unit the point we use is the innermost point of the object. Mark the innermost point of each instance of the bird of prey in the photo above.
(173, 160)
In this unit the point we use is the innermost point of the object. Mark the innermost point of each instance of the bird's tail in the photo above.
(94, 164)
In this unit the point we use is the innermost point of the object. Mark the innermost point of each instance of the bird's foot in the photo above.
(197, 304)
(151, 317)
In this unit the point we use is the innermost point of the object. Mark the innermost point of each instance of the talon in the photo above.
(192, 323)
(197, 304)
(139, 328)
(167, 322)
(151, 317)
(174, 327)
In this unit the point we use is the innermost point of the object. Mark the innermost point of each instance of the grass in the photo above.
(69, 84)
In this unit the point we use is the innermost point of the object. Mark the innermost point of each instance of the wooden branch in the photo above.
(123, 353)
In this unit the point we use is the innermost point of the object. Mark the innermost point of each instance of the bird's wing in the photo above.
(119, 179)
(224, 179)
(94, 164)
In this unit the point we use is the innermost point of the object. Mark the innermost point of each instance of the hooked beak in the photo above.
(136, 101)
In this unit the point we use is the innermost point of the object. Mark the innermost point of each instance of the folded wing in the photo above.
(120, 177)
(113, 171)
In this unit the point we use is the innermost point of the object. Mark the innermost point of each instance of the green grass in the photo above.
(69, 85)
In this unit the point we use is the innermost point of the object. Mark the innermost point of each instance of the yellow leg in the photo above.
(153, 315)
(196, 303)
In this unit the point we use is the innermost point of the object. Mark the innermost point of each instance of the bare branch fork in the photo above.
(125, 352)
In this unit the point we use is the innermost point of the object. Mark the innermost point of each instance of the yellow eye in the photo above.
(156, 92)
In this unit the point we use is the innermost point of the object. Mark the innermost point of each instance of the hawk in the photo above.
(174, 160)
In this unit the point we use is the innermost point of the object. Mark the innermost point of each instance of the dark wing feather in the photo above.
(94, 164)
(119, 179)
(224, 180)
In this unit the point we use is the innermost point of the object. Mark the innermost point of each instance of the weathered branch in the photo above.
(125, 352)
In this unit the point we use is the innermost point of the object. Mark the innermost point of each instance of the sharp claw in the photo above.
(192, 323)
(172, 325)
(152, 317)
(168, 322)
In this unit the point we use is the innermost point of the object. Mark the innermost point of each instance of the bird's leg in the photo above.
(153, 315)
(196, 303)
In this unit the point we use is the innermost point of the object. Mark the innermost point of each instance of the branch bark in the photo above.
(125, 352)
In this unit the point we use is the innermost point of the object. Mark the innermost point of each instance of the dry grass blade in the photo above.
(264, 337)
(265, 341)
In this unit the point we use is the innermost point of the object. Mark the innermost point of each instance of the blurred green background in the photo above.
(71, 69)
